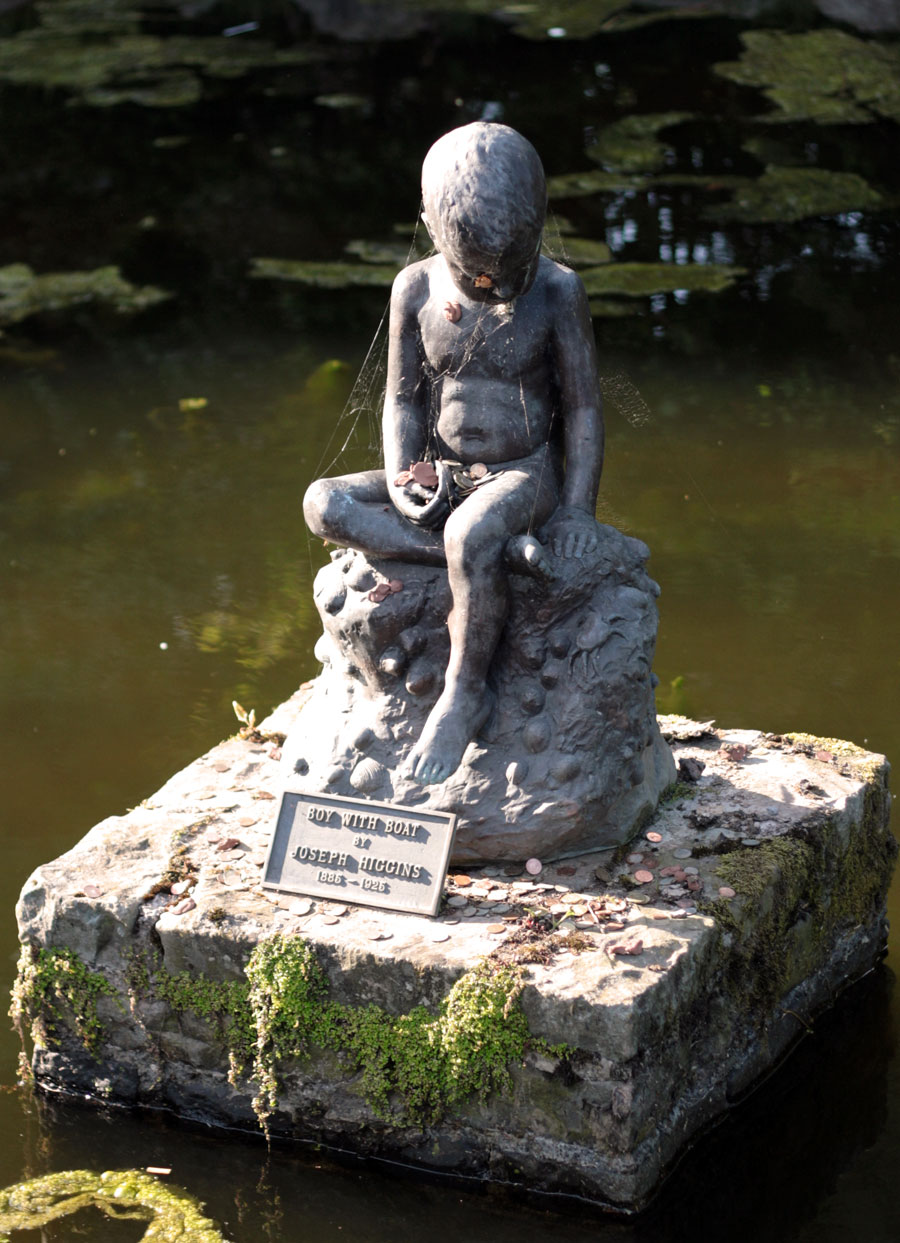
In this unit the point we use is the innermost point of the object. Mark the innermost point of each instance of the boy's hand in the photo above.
(422, 505)
(571, 533)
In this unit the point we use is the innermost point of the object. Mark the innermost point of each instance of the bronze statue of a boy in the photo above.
(492, 419)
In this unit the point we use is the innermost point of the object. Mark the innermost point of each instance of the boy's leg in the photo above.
(474, 538)
(356, 511)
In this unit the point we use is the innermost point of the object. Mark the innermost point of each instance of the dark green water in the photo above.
(154, 564)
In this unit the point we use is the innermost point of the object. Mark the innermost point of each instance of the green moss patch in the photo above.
(23, 293)
(118, 1194)
(795, 896)
(413, 1067)
(827, 76)
(632, 144)
(54, 987)
(788, 194)
(96, 50)
(637, 280)
(335, 275)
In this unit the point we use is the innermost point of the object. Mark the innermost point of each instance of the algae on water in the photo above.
(24, 293)
(97, 50)
(827, 76)
(785, 195)
(637, 280)
(324, 275)
(170, 1212)
(632, 145)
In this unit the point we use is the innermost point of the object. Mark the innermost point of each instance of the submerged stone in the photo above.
(605, 1052)
(827, 76)
(784, 195)
(24, 293)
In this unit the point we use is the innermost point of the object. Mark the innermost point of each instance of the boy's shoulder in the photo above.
(411, 284)
(559, 280)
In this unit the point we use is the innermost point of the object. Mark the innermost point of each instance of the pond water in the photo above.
(154, 563)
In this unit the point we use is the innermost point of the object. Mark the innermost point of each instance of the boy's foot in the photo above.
(524, 554)
(452, 724)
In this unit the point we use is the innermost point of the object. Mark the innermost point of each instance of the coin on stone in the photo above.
(643, 877)
(496, 929)
(725, 891)
(653, 836)
(438, 935)
(457, 900)
(534, 867)
(682, 852)
(635, 858)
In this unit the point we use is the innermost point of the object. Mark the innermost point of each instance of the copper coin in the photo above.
(461, 881)
(395, 585)
(694, 884)
(228, 843)
(263, 793)
(403, 479)
(725, 891)
(613, 927)
(669, 871)
(222, 766)
(494, 929)
(653, 836)
(246, 821)
(453, 312)
(643, 877)
(477, 470)
(424, 474)
(330, 919)
(182, 908)
(483, 281)
(679, 875)
(94, 891)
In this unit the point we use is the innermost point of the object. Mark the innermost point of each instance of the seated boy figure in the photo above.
(492, 390)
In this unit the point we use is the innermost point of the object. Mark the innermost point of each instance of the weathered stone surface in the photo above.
(570, 758)
(660, 1041)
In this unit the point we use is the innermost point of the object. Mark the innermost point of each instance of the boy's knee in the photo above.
(320, 507)
(472, 544)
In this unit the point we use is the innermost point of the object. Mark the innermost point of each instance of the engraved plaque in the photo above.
(355, 850)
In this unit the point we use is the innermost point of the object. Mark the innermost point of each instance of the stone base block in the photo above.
(660, 979)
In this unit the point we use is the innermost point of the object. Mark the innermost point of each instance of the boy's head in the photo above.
(485, 201)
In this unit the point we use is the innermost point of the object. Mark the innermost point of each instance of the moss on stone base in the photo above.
(55, 987)
(413, 1068)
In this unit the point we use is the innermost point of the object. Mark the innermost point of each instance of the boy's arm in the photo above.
(405, 415)
(572, 529)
